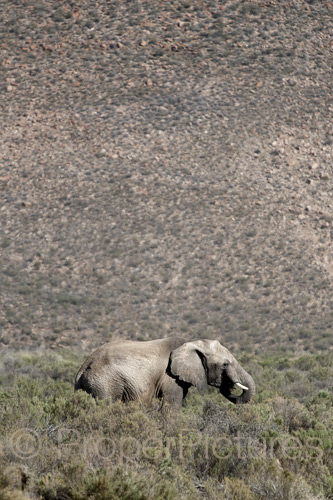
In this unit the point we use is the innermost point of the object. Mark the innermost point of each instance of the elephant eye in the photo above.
(225, 364)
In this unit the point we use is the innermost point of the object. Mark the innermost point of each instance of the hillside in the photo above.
(166, 169)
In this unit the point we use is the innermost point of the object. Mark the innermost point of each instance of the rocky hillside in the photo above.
(166, 169)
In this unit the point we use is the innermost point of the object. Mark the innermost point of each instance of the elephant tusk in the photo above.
(242, 386)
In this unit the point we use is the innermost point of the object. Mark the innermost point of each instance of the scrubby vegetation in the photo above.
(57, 444)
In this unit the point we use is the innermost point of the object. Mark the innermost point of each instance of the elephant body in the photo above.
(163, 369)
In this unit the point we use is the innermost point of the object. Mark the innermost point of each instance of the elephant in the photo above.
(165, 369)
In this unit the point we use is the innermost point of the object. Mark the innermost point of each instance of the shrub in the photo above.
(57, 444)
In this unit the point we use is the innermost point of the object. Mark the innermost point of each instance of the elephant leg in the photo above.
(173, 393)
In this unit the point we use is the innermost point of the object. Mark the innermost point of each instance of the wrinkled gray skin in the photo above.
(164, 369)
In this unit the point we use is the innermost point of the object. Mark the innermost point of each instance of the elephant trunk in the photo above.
(240, 378)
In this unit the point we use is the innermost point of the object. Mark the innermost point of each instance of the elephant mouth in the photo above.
(231, 392)
(232, 384)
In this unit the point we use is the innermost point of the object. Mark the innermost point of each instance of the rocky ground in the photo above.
(166, 169)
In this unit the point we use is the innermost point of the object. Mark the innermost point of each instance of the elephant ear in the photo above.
(186, 364)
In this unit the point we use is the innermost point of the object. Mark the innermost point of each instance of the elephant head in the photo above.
(203, 362)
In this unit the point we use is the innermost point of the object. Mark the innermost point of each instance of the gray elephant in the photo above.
(164, 369)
